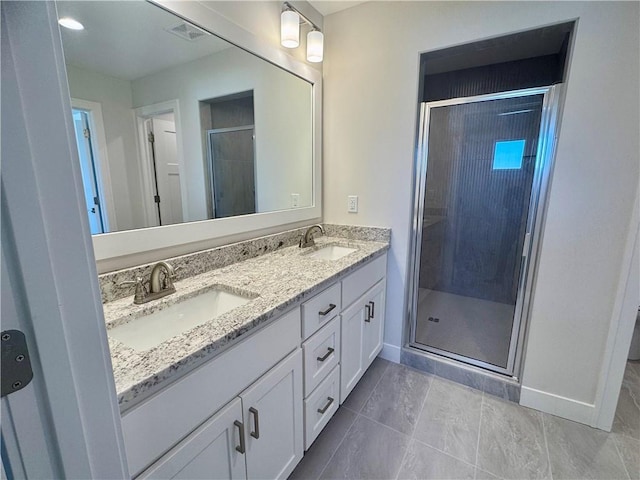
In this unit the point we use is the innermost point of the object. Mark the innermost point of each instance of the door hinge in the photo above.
(96, 200)
(156, 198)
(87, 133)
(16, 365)
(151, 137)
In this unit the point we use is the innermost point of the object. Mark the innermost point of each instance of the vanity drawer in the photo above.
(321, 354)
(357, 283)
(156, 425)
(320, 309)
(320, 406)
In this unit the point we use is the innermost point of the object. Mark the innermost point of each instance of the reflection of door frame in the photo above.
(101, 160)
(535, 221)
(210, 164)
(147, 184)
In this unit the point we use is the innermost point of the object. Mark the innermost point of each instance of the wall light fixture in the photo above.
(290, 21)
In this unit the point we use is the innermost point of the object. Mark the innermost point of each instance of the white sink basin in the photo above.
(151, 330)
(332, 252)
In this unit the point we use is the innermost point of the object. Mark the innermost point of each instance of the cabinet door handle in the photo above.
(373, 309)
(241, 448)
(325, 312)
(256, 423)
(326, 407)
(326, 355)
(367, 313)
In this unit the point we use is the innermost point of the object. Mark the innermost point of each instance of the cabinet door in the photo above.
(209, 452)
(351, 365)
(373, 328)
(272, 410)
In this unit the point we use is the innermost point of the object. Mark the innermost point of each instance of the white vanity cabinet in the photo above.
(362, 322)
(264, 373)
(257, 435)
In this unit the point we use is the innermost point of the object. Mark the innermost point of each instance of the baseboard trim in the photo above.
(557, 405)
(390, 352)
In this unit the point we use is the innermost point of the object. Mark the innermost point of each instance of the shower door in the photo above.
(482, 163)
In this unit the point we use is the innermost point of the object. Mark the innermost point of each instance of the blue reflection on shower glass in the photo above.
(507, 155)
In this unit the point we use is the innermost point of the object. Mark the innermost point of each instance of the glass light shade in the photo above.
(315, 47)
(289, 29)
(71, 23)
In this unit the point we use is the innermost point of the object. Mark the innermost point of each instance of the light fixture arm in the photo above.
(288, 6)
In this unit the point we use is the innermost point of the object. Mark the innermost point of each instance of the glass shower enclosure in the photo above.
(482, 169)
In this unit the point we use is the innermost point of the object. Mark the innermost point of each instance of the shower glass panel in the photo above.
(481, 164)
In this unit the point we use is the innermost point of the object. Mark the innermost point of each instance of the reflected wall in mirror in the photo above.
(175, 125)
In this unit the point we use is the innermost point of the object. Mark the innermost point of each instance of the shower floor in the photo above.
(468, 326)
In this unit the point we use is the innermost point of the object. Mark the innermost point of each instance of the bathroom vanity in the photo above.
(244, 394)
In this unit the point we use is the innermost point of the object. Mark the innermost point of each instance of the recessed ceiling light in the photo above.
(71, 23)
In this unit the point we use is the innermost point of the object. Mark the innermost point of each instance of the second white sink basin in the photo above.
(151, 330)
(332, 252)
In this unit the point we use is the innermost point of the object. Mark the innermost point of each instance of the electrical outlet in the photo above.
(295, 200)
(352, 204)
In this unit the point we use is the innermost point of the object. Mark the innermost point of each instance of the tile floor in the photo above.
(402, 423)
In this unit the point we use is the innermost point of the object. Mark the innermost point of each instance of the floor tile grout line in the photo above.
(374, 388)
(546, 444)
(338, 444)
(411, 437)
(624, 465)
(443, 452)
(479, 430)
(354, 420)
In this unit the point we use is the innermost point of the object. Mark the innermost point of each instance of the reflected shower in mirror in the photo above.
(174, 124)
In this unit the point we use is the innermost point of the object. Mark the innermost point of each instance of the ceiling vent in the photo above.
(187, 31)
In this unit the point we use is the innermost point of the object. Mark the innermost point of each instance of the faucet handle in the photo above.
(141, 291)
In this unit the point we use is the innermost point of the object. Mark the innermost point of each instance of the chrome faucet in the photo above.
(306, 240)
(159, 285)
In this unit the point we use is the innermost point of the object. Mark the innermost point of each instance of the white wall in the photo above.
(114, 95)
(283, 124)
(371, 82)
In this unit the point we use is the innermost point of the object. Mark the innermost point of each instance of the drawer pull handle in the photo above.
(326, 355)
(331, 307)
(241, 448)
(326, 407)
(256, 423)
(373, 309)
(367, 313)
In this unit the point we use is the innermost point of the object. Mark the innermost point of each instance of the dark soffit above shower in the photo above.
(550, 40)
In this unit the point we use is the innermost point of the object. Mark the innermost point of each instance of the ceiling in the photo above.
(327, 7)
(135, 28)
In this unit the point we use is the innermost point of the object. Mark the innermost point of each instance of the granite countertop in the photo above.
(278, 280)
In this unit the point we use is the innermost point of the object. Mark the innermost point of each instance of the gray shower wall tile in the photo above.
(512, 443)
(397, 399)
(450, 419)
(502, 388)
(417, 361)
(368, 451)
(579, 451)
(460, 374)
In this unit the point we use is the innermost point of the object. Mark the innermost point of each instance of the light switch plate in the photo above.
(352, 204)
(295, 200)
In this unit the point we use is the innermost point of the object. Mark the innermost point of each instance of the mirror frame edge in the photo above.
(109, 246)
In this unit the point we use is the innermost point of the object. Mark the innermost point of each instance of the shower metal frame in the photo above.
(547, 139)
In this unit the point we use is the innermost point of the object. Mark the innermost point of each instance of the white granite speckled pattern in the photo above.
(281, 279)
(199, 262)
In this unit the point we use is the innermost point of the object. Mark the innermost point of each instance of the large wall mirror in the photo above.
(182, 135)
